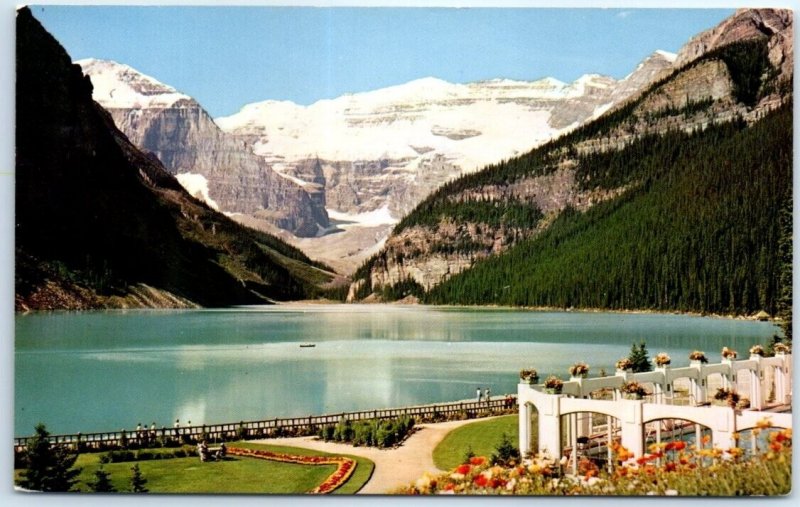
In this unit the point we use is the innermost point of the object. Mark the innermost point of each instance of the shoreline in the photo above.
(753, 318)
(405, 303)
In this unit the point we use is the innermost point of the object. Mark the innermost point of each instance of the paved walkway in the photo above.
(393, 467)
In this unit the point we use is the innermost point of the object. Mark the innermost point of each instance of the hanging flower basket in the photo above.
(633, 390)
(698, 356)
(757, 350)
(781, 348)
(662, 359)
(579, 370)
(727, 396)
(729, 354)
(530, 376)
(553, 385)
(624, 364)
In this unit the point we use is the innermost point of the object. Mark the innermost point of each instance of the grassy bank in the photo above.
(234, 475)
(481, 437)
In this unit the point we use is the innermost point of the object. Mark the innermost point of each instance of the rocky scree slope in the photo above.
(487, 213)
(210, 164)
(101, 224)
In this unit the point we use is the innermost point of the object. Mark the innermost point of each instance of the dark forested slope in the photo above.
(99, 223)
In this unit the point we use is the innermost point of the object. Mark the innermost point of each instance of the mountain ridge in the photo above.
(484, 214)
(100, 224)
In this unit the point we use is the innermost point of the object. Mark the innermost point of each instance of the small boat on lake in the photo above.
(306, 345)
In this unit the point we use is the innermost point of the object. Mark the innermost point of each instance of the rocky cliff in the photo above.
(210, 164)
(101, 224)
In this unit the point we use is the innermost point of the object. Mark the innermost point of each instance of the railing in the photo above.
(164, 436)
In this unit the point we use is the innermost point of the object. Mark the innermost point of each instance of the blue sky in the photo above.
(226, 57)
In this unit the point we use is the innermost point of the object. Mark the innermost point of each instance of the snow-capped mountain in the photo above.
(210, 164)
(366, 159)
(392, 146)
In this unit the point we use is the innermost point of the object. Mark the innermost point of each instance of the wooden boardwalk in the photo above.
(270, 428)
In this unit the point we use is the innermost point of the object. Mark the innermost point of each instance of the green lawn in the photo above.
(481, 436)
(234, 475)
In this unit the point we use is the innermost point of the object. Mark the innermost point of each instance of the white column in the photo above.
(723, 430)
(632, 426)
(756, 397)
(550, 426)
(524, 428)
(573, 441)
(782, 379)
(610, 429)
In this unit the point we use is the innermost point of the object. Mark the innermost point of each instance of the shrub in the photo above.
(505, 452)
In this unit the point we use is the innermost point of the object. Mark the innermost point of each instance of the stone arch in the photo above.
(587, 434)
(673, 429)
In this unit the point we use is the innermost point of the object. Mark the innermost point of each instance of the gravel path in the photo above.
(393, 467)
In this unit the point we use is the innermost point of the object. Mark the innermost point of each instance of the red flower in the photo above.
(671, 467)
(480, 480)
(496, 482)
(680, 445)
(477, 460)
(463, 469)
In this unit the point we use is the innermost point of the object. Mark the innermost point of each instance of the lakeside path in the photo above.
(394, 467)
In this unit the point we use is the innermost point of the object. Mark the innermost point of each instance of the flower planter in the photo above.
(632, 396)
(695, 364)
(552, 390)
(622, 373)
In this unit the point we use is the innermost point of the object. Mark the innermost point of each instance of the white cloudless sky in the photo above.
(226, 57)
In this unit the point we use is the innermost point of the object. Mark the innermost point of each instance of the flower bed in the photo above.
(669, 469)
(344, 466)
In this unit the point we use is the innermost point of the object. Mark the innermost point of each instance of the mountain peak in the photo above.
(745, 24)
(666, 55)
(117, 85)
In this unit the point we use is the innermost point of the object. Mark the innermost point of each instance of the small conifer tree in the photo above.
(138, 482)
(102, 482)
(48, 467)
(639, 358)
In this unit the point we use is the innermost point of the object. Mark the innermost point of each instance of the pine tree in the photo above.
(639, 358)
(102, 482)
(49, 467)
(138, 481)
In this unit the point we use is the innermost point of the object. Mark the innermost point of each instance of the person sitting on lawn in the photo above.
(202, 450)
(221, 452)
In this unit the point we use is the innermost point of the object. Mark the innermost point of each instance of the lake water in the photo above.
(104, 371)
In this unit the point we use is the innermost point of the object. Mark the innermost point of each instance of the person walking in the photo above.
(487, 395)
(479, 395)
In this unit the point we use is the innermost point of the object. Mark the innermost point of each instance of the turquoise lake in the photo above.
(105, 371)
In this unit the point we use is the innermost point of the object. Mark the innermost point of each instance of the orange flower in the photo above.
(680, 445)
(706, 439)
(764, 423)
(776, 446)
(477, 460)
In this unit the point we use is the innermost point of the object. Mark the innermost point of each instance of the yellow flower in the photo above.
(764, 423)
